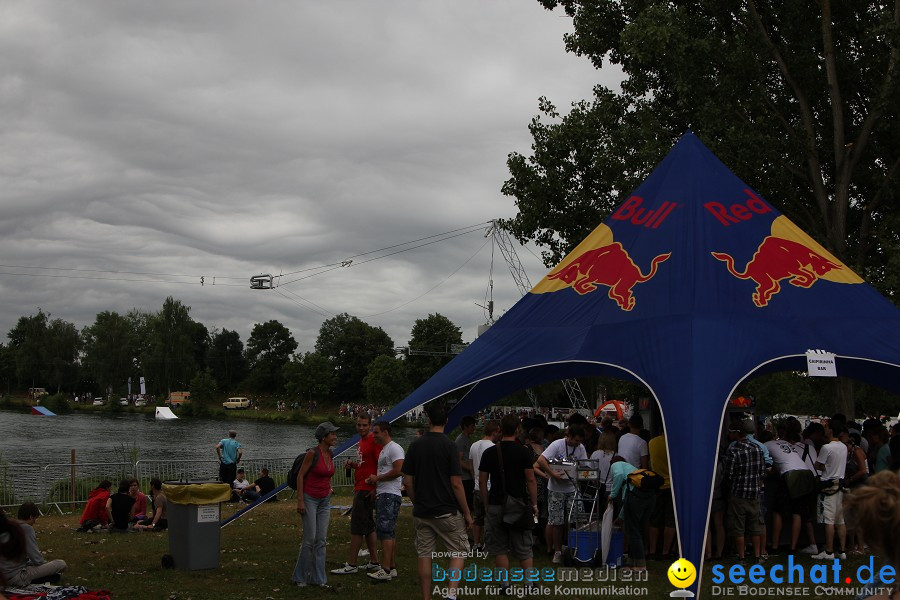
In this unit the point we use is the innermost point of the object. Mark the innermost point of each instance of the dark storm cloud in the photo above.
(223, 139)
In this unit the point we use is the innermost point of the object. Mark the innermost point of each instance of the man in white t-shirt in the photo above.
(388, 497)
(832, 463)
(560, 485)
(490, 437)
(632, 446)
(243, 490)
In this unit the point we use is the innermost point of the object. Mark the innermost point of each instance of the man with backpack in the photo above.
(634, 490)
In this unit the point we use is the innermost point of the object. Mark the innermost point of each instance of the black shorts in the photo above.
(362, 514)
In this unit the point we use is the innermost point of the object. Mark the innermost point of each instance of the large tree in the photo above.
(109, 349)
(386, 381)
(430, 342)
(27, 341)
(351, 344)
(269, 348)
(800, 99)
(170, 362)
(225, 358)
(309, 377)
(45, 350)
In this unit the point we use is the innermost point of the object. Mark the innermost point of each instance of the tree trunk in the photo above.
(843, 394)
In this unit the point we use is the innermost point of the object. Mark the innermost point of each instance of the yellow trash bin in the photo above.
(194, 518)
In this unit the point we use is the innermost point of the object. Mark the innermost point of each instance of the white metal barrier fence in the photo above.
(69, 484)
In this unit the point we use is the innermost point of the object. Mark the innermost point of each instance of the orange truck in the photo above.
(176, 398)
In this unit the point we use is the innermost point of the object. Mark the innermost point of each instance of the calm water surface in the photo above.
(29, 439)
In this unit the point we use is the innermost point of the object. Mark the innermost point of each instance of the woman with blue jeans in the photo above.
(313, 499)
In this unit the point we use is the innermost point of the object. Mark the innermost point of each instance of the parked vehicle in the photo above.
(176, 398)
(140, 402)
(123, 401)
(37, 393)
(98, 402)
(236, 403)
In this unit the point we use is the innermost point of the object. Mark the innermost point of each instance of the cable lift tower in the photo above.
(503, 241)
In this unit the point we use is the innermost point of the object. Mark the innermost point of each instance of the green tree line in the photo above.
(352, 361)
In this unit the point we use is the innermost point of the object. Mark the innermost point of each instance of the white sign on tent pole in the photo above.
(820, 363)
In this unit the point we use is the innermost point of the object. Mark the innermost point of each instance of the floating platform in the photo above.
(40, 410)
(165, 413)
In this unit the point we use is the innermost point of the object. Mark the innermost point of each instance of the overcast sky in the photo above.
(230, 138)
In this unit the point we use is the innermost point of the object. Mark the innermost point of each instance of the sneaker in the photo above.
(841, 555)
(823, 555)
(393, 573)
(369, 566)
(347, 569)
(300, 583)
(811, 549)
(380, 575)
(557, 557)
(363, 552)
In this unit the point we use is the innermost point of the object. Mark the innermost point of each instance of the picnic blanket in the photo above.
(51, 592)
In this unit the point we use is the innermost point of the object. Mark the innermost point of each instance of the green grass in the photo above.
(257, 558)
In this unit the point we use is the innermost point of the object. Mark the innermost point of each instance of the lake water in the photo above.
(96, 437)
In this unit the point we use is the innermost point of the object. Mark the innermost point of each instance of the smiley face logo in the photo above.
(682, 573)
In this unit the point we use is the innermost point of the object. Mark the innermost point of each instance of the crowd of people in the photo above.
(510, 491)
(128, 509)
(802, 476)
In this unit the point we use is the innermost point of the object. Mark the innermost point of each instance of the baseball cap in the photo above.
(324, 429)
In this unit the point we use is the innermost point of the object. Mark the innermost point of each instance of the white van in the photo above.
(236, 403)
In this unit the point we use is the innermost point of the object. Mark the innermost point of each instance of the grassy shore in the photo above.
(324, 412)
(258, 553)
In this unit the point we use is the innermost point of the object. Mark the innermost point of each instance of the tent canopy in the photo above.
(692, 285)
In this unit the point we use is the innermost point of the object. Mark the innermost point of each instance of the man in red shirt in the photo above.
(362, 515)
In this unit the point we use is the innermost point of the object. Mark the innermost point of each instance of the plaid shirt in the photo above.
(745, 468)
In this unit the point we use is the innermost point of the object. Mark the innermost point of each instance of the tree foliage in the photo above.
(170, 361)
(225, 359)
(269, 348)
(350, 345)
(436, 333)
(309, 377)
(800, 99)
(386, 381)
(45, 351)
(110, 351)
(203, 389)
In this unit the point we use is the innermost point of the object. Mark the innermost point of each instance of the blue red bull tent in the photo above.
(694, 284)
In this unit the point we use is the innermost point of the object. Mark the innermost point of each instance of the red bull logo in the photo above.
(790, 255)
(608, 265)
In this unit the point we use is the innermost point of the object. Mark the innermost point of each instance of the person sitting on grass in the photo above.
(160, 520)
(242, 490)
(140, 500)
(95, 510)
(30, 567)
(265, 484)
(120, 508)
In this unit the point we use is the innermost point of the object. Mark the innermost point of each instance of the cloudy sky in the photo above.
(144, 145)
